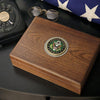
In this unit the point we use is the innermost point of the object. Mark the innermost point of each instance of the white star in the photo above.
(90, 13)
(63, 5)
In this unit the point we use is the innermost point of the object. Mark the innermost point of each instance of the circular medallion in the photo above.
(56, 46)
(4, 16)
(9, 17)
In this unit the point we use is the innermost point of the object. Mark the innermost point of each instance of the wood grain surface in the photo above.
(70, 70)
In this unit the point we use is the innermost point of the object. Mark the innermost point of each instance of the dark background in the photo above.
(15, 79)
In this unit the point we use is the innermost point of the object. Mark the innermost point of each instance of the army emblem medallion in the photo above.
(56, 46)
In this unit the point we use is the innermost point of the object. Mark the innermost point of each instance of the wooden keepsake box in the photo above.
(56, 53)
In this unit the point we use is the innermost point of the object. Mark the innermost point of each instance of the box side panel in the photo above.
(68, 84)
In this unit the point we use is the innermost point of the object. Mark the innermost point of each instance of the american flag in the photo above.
(88, 9)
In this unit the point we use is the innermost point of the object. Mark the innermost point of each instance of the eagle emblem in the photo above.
(56, 46)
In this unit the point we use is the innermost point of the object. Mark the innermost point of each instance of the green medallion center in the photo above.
(56, 46)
